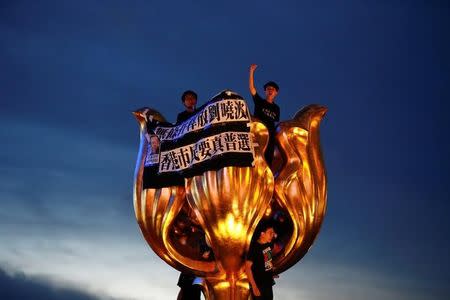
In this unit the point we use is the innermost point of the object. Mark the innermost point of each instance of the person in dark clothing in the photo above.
(266, 110)
(189, 288)
(258, 264)
(189, 99)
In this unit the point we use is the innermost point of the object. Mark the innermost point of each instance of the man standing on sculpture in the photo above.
(266, 110)
(189, 290)
(189, 99)
(258, 265)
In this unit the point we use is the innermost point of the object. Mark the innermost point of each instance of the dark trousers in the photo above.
(190, 292)
(266, 294)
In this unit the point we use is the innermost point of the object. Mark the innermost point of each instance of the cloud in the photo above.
(104, 257)
(46, 171)
(317, 280)
(66, 213)
(20, 286)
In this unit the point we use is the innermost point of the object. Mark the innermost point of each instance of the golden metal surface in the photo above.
(300, 186)
(228, 204)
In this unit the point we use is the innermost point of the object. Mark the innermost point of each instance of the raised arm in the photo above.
(251, 83)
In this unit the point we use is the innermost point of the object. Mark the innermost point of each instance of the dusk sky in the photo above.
(71, 72)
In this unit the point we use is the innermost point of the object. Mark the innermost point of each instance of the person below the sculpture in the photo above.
(258, 264)
(190, 285)
(189, 99)
(266, 110)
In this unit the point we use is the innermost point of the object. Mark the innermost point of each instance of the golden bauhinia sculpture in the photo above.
(227, 201)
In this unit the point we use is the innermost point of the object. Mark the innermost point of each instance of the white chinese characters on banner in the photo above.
(229, 110)
(184, 157)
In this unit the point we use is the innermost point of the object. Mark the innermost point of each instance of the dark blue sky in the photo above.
(72, 71)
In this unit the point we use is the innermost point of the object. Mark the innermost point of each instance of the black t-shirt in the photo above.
(261, 257)
(184, 115)
(267, 112)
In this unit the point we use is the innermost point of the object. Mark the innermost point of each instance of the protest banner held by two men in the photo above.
(218, 135)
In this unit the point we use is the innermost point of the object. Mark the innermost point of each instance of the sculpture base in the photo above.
(232, 288)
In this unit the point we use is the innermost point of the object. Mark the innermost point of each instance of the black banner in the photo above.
(218, 135)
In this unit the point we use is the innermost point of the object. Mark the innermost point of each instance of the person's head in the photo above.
(189, 99)
(266, 232)
(271, 90)
(154, 143)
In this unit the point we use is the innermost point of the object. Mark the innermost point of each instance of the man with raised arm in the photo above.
(266, 110)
